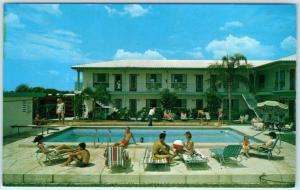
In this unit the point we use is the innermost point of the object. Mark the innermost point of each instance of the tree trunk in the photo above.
(229, 100)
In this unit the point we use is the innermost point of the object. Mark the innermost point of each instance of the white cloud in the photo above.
(245, 45)
(134, 10)
(288, 43)
(121, 54)
(53, 72)
(50, 46)
(232, 24)
(196, 53)
(53, 9)
(13, 20)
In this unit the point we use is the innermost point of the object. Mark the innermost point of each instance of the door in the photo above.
(199, 83)
(132, 82)
(118, 82)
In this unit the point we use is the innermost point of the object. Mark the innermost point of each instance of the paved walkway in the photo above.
(20, 167)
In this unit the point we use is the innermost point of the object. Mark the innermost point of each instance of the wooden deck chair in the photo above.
(149, 160)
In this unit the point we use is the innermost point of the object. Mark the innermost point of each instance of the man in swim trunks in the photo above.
(127, 136)
(161, 150)
(82, 156)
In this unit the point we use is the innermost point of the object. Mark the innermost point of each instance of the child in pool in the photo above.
(246, 146)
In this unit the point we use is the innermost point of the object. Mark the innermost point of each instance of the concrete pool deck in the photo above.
(21, 168)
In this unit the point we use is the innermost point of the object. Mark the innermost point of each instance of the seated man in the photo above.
(127, 136)
(38, 120)
(267, 144)
(168, 116)
(51, 149)
(161, 150)
(82, 156)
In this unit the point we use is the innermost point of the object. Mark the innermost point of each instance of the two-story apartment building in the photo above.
(137, 83)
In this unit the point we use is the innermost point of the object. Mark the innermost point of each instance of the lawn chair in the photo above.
(196, 158)
(49, 156)
(268, 151)
(230, 151)
(148, 159)
(116, 157)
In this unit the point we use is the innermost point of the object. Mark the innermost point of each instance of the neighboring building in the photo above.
(18, 109)
(137, 83)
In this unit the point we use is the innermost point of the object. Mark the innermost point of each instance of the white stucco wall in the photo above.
(17, 111)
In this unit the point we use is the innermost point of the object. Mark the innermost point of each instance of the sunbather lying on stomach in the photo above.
(161, 150)
(267, 144)
(127, 136)
(82, 156)
(51, 149)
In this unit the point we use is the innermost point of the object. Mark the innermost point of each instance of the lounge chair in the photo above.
(196, 158)
(49, 156)
(230, 151)
(266, 151)
(148, 159)
(116, 157)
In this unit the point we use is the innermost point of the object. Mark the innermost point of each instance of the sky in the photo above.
(43, 41)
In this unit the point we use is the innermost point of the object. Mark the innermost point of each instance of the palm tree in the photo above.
(232, 68)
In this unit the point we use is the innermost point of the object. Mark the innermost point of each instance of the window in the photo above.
(118, 82)
(199, 83)
(153, 81)
(261, 81)
(100, 79)
(282, 79)
(24, 106)
(292, 79)
(234, 107)
(199, 104)
(178, 81)
(132, 105)
(118, 103)
(152, 103)
(132, 82)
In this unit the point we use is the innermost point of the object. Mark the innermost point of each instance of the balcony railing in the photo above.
(153, 85)
(95, 84)
(179, 85)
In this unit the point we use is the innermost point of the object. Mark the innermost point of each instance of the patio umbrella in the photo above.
(272, 107)
(273, 104)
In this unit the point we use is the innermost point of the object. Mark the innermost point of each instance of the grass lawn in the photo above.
(289, 138)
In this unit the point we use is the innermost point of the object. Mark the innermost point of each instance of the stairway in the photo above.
(251, 102)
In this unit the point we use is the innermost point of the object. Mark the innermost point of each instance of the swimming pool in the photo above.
(103, 135)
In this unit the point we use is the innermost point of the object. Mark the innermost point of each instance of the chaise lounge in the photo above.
(148, 159)
(230, 151)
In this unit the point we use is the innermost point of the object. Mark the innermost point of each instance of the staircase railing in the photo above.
(251, 107)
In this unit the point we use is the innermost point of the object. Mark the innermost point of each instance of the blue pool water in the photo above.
(104, 135)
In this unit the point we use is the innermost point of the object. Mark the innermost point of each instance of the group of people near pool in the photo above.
(161, 150)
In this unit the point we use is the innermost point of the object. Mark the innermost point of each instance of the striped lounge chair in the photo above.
(196, 158)
(148, 159)
(230, 151)
(116, 157)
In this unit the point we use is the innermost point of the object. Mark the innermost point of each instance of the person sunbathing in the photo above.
(188, 147)
(127, 136)
(161, 150)
(51, 149)
(268, 143)
(81, 156)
